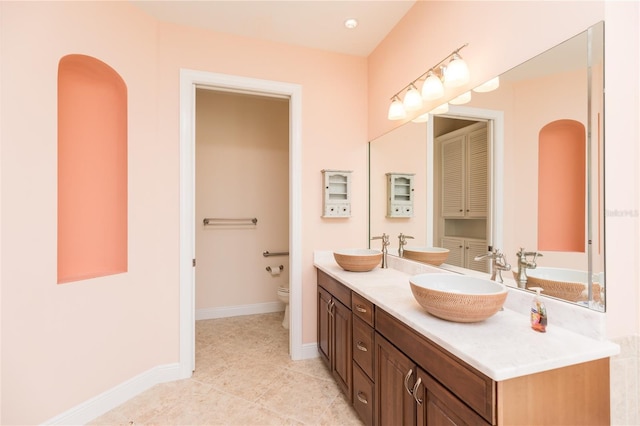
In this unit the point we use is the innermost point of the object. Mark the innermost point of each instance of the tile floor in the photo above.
(243, 376)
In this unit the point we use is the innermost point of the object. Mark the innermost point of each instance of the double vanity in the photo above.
(398, 364)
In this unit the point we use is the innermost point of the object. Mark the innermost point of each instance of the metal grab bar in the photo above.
(225, 221)
(280, 253)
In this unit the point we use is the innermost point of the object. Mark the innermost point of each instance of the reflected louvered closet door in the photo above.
(453, 177)
(477, 178)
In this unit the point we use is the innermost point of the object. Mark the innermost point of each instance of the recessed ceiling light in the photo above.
(351, 23)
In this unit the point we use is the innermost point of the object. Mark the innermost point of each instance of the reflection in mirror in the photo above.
(541, 175)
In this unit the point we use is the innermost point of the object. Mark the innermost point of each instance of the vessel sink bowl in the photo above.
(358, 260)
(567, 284)
(458, 298)
(431, 255)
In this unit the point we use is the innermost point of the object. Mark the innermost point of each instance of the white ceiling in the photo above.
(316, 24)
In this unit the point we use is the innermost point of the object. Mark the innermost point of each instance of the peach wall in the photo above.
(64, 344)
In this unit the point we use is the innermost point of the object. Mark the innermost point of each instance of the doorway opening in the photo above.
(458, 117)
(191, 80)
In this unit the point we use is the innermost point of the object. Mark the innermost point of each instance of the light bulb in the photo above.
(396, 110)
(462, 99)
(412, 99)
(432, 88)
(457, 72)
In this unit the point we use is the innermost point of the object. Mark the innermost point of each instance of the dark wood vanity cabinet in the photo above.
(334, 330)
(396, 376)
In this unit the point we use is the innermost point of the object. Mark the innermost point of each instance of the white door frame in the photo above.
(189, 80)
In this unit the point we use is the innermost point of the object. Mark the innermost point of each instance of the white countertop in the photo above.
(502, 347)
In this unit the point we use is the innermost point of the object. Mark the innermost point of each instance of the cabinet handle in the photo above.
(362, 347)
(406, 382)
(362, 397)
(361, 308)
(330, 306)
(415, 391)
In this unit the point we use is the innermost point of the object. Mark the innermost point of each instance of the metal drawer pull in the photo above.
(361, 398)
(362, 347)
(406, 381)
(415, 391)
(361, 308)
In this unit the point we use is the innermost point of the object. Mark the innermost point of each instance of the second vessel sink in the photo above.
(357, 260)
(567, 284)
(431, 255)
(458, 298)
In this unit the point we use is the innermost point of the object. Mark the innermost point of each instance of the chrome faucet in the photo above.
(402, 241)
(498, 263)
(385, 244)
(524, 263)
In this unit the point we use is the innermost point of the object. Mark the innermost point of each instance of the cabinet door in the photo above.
(323, 326)
(340, 336)
(475, 248)
(477, 196)
(394, 374)
(456, 250)
(453, 180)
(437, 406)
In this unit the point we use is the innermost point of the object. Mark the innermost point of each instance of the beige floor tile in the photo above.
(243, 377)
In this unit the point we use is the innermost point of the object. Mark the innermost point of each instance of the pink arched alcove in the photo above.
(561, 186)
(92, 169)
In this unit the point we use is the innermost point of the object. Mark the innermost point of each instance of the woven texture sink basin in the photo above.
(458, 298)
(358, 260)
(431, 255)
(567, 284)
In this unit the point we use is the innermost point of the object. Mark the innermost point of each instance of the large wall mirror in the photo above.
(543, 168)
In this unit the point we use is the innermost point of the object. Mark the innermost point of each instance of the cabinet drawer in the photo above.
(337, 289)
(363, 395)
(363, 346)
(362, 308)
(472, 387)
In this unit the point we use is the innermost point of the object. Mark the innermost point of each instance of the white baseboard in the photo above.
(235, 311)
(310, 350)
(98, 405)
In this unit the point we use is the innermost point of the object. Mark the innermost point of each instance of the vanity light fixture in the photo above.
(412, 99)
(436, 78)
(432, 88)
(462, 99)
(396, 110)
(488, 86)
(457, 72)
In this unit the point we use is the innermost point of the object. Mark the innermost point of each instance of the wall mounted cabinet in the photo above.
(337, 193)
(400, 194)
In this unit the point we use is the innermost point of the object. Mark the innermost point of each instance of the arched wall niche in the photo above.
(92, 169)
(562, 186)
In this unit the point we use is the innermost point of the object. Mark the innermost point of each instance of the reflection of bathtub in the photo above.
(568, 284)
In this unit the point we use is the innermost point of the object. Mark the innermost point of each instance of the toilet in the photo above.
(283, 296)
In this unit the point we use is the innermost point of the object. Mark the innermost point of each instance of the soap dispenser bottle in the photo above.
(538, 312)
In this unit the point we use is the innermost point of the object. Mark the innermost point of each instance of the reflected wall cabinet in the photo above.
(400, 194)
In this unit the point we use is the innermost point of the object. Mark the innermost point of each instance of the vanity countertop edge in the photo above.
(502, 347)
